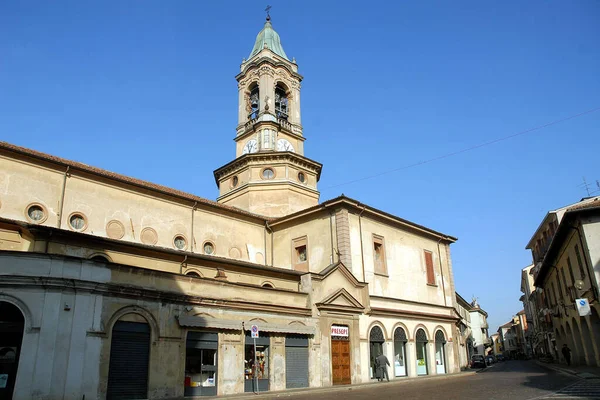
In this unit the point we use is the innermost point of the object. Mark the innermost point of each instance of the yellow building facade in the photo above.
(116, 287)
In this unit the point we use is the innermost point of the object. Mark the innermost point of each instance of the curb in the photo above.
(358, 386)
(581, 375)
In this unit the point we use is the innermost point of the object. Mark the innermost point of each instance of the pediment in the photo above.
(340, 267)
(342, 300)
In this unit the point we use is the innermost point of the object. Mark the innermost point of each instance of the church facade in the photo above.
(112, 287)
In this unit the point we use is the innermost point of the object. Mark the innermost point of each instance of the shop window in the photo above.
(440, 353)
(201, 364)
(300, 254)
(421, 342)
(429, 266)
(376, 341)
(400, 340)
(379, 255)
(256, 363)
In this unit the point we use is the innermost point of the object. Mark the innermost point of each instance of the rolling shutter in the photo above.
(296, 362)
(129, 359)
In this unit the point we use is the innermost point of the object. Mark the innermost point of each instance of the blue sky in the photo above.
(147, 89)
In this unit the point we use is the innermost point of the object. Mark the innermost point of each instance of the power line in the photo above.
(537, 128)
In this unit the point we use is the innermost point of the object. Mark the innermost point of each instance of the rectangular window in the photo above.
(578, 255)
(429, 265)
(571, 274)
(565, 282)
(379, 255)
(300, 254)
(554, 295)
(561, 284)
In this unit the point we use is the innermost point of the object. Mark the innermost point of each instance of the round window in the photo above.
(209, 248)
(180, 242)
(301, 177)
(268, 173)
(77, 222)
(234, 181)
(36, 213)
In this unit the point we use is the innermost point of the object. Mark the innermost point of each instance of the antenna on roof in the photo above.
(268, 14)
(586, 186)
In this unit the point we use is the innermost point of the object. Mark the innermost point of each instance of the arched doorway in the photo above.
(400, 361)
(129, 359)
(376, 341)
(588, 342)
(440, 352)
(421, 342)
(12, 324)
(579, 356)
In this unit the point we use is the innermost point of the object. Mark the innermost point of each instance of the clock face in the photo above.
(250, 147)
(284, 145)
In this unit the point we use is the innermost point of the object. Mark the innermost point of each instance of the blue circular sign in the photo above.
(254, 328)
(582, 302)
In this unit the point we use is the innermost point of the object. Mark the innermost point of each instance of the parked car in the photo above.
(477, 361)
(490, 359)
(500, 357)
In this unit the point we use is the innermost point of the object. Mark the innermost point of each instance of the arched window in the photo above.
(194, 274)
(376, 341)
(400, 340)
(267, 285)
(100, 258)
(281, 102)
(440, 353)
(253, 106)
(421, 342)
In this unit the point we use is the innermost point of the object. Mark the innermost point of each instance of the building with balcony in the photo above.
(464, 331)
(566, 275)
(113, 287)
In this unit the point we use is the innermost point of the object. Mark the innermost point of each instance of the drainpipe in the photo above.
(362, 254)
(272, 252)
(62, 198)
(181, 265)
(442, 271)
(192, 240)
(331, 234)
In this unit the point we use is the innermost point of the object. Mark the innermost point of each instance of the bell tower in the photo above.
(270, 175)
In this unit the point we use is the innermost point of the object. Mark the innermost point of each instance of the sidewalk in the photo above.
(341, 388)
(581, 371)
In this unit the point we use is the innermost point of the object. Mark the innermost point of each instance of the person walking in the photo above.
(566, 351)
(382, 364)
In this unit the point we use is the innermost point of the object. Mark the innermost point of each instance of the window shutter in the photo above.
(429, 264)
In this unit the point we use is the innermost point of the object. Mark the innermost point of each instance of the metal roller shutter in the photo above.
(296, 362)
(129, 359)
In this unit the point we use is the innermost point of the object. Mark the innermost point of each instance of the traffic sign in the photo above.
(254, 331)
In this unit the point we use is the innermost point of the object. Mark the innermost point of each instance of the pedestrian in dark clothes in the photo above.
(382, 364)
(566, 351)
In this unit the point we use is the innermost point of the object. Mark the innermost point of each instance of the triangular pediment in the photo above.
(342, 300)
(340, 267)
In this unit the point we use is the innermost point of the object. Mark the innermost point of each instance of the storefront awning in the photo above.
(201, 322)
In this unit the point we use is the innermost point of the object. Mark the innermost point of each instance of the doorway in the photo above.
(12, 324)
(440, 353)
(400, 364)
(340, 360)
(376, 341)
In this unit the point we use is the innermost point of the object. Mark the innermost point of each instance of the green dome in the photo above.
(269, 37)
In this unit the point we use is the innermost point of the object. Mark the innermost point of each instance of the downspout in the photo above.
(192, 239)
(271, 233)
(362, 253)
(331, 234)
(181, 265)
(62, 198)
(442, 271)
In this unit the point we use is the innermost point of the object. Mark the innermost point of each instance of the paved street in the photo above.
(515, 380)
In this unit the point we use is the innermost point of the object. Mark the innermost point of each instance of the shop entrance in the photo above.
(340, 355)
(201, 364)
(12, 324)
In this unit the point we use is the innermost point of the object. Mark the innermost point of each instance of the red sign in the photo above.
(339, 331)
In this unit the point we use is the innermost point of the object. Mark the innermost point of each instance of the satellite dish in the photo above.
(579, 284)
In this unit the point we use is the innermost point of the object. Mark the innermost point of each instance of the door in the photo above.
(296, 361)
(201, 364)
(129, 358)
(340, 361)
(12, 324)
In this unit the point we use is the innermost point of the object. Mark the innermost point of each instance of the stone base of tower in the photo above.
(273, 200)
